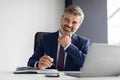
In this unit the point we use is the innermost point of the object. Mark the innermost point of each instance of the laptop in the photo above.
(102, 60)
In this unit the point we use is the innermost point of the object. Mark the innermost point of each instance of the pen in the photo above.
(52, 62)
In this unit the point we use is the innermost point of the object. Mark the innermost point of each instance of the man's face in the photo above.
(70, 23)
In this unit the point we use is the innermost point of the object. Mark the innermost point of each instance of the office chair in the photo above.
(37, 38)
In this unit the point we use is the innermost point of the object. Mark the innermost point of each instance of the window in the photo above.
(113, 21)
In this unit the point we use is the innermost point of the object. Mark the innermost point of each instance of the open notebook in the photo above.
(31, 70)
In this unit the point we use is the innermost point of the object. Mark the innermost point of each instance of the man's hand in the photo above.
(45, 62)
(64, 40)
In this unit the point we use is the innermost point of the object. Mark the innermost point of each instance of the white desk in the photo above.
(7, 75)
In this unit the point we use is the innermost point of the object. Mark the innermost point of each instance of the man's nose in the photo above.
(69, 24)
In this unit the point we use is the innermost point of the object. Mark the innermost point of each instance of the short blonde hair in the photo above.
(75, 10)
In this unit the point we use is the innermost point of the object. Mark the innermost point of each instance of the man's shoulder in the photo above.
(81, 40)
(77, 36)
(51, 35)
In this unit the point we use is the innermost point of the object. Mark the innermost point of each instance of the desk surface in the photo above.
(8, 75)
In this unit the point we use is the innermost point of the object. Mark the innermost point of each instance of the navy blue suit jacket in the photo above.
(76, 52)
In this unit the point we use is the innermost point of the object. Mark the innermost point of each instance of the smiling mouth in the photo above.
(67, 29)
(66, 32)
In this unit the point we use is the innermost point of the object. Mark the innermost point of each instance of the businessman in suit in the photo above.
(63, 50)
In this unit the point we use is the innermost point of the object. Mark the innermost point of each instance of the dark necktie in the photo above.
(60, 63)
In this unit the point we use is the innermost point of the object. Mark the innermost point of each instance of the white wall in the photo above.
(19, 21)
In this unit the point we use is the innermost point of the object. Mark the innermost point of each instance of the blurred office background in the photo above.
(21, 19)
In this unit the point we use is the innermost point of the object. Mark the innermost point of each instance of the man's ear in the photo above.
(80, 24)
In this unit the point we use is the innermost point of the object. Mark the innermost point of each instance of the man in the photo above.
(75, 46)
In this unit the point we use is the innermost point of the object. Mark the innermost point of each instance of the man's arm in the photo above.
(77, 50)
(78, 53)
(33, 60)
(39, 59)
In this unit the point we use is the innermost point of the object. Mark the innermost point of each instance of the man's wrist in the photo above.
(67, 46)
(36, 65)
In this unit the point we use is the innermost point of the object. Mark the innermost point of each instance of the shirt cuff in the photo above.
(67, 46)
(35, 65)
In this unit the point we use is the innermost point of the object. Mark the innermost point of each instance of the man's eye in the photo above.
(74, 22)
